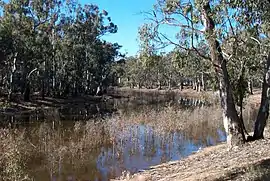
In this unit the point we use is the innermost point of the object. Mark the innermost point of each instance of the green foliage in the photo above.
(47, 50)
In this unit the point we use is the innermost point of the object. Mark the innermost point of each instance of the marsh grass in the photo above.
(54, 144)
(170, 119)
(23, 148)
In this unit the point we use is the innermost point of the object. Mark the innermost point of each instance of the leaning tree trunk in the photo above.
(27, 88)
(231, 120)
(264, 107)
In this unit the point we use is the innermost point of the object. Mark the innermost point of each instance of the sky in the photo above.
(126, 14)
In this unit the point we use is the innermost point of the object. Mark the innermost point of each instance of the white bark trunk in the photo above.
(232, 122)
(198, 85)
(250, 87)
(203, 82)
(13, 70)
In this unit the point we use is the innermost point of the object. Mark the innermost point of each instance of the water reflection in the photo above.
(134, 148)
(86, 111)
(192, 102)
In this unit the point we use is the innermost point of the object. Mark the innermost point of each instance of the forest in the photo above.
(55, 48)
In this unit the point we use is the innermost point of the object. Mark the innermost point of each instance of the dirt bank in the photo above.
(248, 162)
(18, 105)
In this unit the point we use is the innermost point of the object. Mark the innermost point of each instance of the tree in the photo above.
(211, 22)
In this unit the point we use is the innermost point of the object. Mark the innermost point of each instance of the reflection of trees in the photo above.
(97, 149)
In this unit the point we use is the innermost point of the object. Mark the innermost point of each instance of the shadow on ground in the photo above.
(259, 171)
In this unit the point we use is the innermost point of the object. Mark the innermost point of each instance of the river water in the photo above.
(136, 148)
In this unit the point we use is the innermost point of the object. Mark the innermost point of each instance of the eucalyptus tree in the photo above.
(212, 23)
(55, 46)
(255, 16)
(151, 60)
(192, 67)
(172, 76)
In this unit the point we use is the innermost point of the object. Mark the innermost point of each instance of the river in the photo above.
(65, 143)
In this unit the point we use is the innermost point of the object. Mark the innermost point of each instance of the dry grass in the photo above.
(199, 122)
(47, 145)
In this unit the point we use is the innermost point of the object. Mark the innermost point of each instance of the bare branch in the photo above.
(30, 73)
(185, 48)
(256, 40)
(163, 19)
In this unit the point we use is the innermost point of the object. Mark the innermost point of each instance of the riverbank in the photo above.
(36, 102)
(216, 163)
(248, 162)
(211, 96)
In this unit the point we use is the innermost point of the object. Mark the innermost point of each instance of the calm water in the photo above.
(136, 148)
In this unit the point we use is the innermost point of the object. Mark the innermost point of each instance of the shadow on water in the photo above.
(133, 148)
(86, 111)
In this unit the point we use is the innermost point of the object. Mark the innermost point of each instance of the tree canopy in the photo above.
(55, 47)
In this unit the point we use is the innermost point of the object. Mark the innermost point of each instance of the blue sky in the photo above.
(126, 14)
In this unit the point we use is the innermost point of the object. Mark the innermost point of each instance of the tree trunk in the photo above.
(194, 84)
(170, 82)
(159, 85)
(44, 76)
(232, 123)
(264, 107)
(203, 82)
(13, 70)
(26, 93)
(198, 83)
(250, 87)
(139, 85)
(182, 85)
(99, 91)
